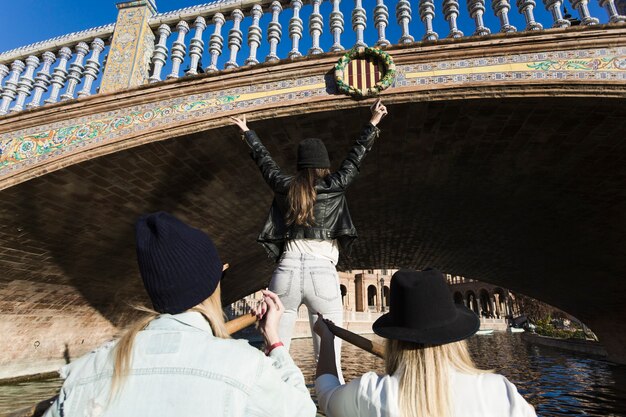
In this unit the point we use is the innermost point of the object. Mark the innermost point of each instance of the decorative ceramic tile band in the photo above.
(28, 147)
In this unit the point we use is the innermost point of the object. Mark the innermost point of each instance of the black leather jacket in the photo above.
(331, 213)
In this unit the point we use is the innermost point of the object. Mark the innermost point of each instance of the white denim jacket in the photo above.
(180, 369)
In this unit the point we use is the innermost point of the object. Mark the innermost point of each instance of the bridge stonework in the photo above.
(501, 160)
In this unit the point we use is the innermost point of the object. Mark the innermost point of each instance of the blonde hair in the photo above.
(210, 308)
(302, 195)
(424, 374)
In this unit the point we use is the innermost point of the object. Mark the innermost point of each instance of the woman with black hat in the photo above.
(429, 371)
(308, 221)
(179, 360)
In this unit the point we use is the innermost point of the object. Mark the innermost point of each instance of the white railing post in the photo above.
(25, 85)
(92, 68)
(554, 7)
(381, 20)
(476, 10)
(4, 71)
(295, 29)
(451, 13)
(583, 10)
(316, 25)
(359, 23)
(403, 16)
(178, 49)
(614, 16)
(216, 42)
(42, 81)
(527, 8)
(76, 71)
(196, 46)
(59, 76)
(160, 53)
(10, 86)
(427, 14)
(235, 38)
(254, 35)
(501, 9)
(274, 31)
(336, 26)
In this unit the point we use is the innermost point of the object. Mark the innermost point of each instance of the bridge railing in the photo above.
(232, 33)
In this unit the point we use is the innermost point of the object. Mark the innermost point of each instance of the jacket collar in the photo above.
(188, 318)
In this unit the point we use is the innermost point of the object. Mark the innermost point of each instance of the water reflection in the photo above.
(557, 383)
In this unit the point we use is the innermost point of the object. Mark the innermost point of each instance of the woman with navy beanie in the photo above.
(179, 360)
(428, 369)
(308, 222)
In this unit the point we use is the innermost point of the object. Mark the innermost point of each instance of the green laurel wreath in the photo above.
(386, 81)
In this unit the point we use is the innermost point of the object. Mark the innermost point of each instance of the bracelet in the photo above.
(271, 348)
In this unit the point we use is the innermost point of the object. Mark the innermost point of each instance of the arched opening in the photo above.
(500, 299)
(485, 304)
(371, 297)
(458, 298)
(344, 292)
(472, 304)
(385, 297)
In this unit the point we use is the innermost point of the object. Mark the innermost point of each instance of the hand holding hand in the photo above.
(378, 112)
(321, 328)
(241, 122)
(269, 313)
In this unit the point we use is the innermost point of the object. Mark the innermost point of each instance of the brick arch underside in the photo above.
(525, 193)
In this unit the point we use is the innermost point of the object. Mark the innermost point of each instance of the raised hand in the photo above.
(241, 122)
(269, 313)
(379, 111)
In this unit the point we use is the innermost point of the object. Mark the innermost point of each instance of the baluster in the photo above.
(427, 14)
(254, 34)
(295, 29)
(10, 86)
(554, 7)
(25, 85)
(501, 9)
(336, 26)
(4, 71)
(527, 8)
(196, 46)
(178, 49)
(316, 25)
(476, 10)
(583, 10)
(92, 68)
(274, 31)
(235, 37)
(614, 16)
(160, 53)
(216, 42)
(59, 76)
(359, 21)
(451, 12)
(381, 20)
(403, 16)
(76, 71)
(42, 81)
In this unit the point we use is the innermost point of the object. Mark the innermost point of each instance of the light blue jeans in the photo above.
(304, 279)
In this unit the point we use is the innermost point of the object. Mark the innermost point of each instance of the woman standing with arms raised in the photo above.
(308, 221)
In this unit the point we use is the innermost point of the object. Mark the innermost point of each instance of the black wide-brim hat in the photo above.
(421, 310)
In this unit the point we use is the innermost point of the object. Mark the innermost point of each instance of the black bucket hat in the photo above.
(421, 310)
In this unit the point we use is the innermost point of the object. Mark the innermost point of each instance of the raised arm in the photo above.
(270, 170)
(350, 167)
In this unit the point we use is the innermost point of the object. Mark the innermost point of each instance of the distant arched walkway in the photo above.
(371, 296)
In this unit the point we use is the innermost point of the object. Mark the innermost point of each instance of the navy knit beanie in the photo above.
(312, 154)
(179, 265)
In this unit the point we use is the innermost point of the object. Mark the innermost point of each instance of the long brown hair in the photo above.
(424, 374)
(302, 195)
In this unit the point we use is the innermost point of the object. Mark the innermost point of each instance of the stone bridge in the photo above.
(503, 157)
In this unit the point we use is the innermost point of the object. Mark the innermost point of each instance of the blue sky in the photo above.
(27, 21)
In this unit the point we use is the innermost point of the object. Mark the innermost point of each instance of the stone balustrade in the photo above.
(228, 34)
